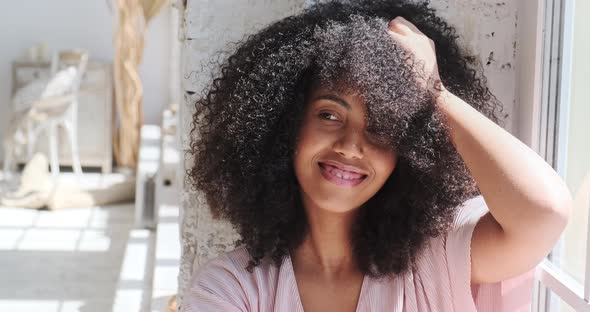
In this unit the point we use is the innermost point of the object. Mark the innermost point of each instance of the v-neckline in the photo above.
(291, 273)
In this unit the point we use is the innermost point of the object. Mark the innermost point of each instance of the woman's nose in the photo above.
(350, 145)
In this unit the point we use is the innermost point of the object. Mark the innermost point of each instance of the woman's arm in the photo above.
(529, 203)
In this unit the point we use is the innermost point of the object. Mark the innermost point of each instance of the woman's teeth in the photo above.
(343, 174)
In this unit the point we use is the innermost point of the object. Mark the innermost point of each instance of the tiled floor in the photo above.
(85, 259)
(166, 258)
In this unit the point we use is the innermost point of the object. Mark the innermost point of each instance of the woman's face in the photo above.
(339, 165)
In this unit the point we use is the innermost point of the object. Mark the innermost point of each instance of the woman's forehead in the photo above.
(341, 93)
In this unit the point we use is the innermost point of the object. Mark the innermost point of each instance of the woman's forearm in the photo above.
(519, 187)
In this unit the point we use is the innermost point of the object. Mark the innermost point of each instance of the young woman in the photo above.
(365, 170)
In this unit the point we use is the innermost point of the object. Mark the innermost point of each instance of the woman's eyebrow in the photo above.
(334, 98)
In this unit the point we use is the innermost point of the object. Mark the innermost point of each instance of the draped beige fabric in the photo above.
(134, 15)
(151, 8)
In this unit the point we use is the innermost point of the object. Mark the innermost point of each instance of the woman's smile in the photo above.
(341, 175)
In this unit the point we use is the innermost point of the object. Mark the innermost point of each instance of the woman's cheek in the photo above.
(383, 161)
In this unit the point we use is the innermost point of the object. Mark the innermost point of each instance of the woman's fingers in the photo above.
(403, 26)
(399, 27)
(413, 40)
(399, 31)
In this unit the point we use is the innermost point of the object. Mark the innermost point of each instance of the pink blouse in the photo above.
(440, 282)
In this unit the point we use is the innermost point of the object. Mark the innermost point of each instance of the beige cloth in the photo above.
(38, 190)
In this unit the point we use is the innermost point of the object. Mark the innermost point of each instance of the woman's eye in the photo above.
(328, 116)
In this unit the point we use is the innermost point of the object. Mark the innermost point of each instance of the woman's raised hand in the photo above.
(413, 40)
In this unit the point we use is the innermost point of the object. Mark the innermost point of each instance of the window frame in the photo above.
(551, 282)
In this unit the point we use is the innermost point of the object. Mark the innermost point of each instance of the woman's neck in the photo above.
(327, 248)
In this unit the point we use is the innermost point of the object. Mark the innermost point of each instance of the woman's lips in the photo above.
(339, 176)
(343, 167)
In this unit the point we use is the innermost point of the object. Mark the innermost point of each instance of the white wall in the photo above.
(84, 24)
(488, 29)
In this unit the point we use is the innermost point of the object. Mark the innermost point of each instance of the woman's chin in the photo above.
(336, 202)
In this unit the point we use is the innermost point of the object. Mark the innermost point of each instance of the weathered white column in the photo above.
(208, 26)
(487, 28)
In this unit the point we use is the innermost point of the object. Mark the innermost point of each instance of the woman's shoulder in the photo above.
(223, 282)
(227, 259)
(470, 212)
(217, 284)
(452, 250)
(457, 240)
(226, 267)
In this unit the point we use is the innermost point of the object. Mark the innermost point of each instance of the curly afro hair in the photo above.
(247, 119)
